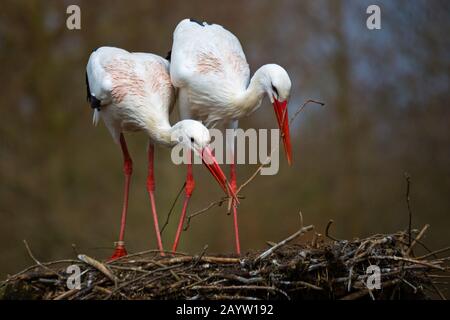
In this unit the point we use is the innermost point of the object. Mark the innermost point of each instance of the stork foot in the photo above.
(119, 251)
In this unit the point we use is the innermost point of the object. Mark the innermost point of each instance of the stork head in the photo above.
(195, 136)
(277, 85)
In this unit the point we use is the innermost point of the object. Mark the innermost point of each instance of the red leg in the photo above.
(151, 192)
(235, 220)
(190, 184)
(128, 170)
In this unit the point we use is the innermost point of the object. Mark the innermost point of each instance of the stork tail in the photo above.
(96, 117)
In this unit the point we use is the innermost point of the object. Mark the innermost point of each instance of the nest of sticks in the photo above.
(323, 268)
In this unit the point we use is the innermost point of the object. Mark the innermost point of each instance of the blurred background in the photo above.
(387, 112)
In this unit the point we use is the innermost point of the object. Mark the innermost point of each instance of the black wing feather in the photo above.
(94, 102)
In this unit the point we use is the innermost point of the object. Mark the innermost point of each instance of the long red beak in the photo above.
(283, 123)
(211, 163)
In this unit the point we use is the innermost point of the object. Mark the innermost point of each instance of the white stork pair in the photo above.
(136, 92)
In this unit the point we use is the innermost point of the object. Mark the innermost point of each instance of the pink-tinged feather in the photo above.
(124, 79)
(208, 63)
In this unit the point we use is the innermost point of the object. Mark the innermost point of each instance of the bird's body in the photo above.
(210, 70)
(211, 73)
(133, 92)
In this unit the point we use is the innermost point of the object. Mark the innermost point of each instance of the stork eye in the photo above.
(192, 140)
(275, 90)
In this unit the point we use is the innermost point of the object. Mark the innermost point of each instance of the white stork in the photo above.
(133, 92)
(209, 68)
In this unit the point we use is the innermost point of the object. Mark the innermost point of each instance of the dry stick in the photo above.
(363, 292)
(327, 229)
(301, 219)
(66, 294)
(419, 236)
(408, 182)
(207, 259)
(438, 291)
(396, 258)
(433, 253)
(282, 243)
(244, 287)
(306, 284)
(127, 257)
(99, 266)
(21, 273)
(235, 297)
(199, 212)
(37, 261)
(171, 209)
(123, 285)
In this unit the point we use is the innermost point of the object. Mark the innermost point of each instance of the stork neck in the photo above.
(161, 133)
(251, 98)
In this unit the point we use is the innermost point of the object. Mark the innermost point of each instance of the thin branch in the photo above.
(99, 266)
(199, 212)
(408, 184)
(327, 231)
(171, 209)
(434, 253)
(431, 265)
(37, 261)
(419, 236)
(271, 250)
(365, 291)
(441, 295)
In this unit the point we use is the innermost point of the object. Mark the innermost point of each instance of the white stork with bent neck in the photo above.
(133, 92)
(209, 68)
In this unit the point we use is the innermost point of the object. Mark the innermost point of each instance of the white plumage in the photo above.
(209, 68)
(134, 89)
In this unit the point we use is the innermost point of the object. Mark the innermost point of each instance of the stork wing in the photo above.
(207, 53)
(98, 79)
(114, 74)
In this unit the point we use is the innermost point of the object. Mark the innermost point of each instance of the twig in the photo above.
(217, 260)
(171, 209)
(441, 295)
(282, 243)
(37, 261)
(99, 266)
(299, 283)
(199, 212)
(67, 294)
(241, 279)
(327, 231)
(365, 291)
(244, 287)
(408, 260)
(303, 107)
(408, 183)
(301, 219)
(419, 236)
(234, 297)
(434, 253)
